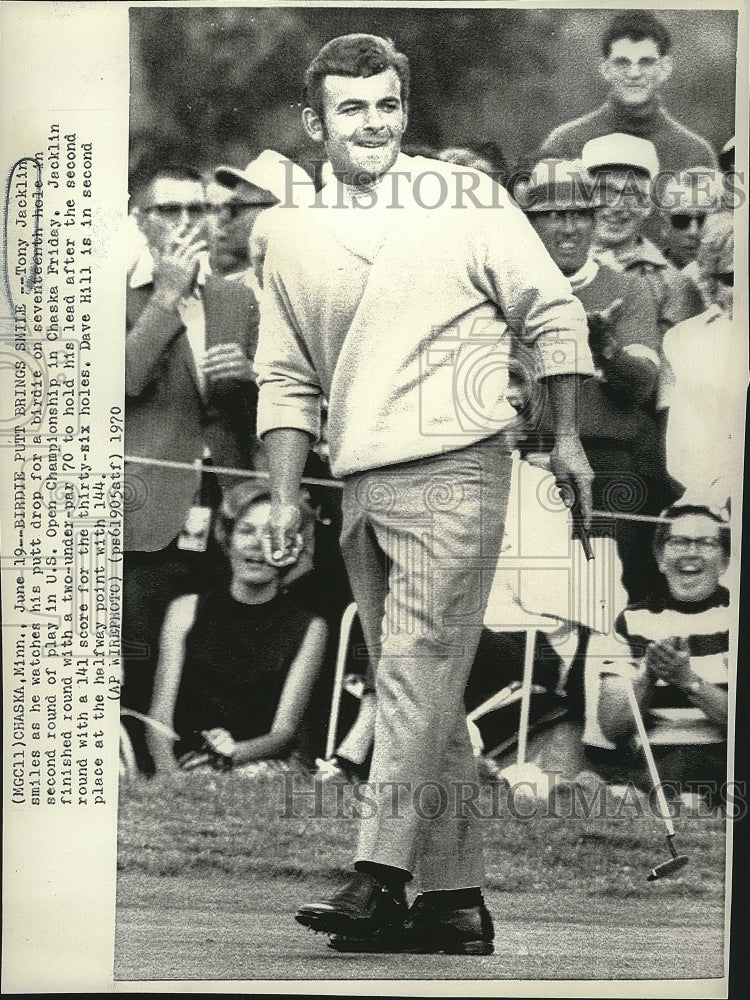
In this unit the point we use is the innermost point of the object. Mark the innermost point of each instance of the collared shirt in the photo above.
(705, 627)
(585, 275)
(643, 253)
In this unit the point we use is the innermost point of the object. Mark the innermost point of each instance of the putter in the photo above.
(677, 861)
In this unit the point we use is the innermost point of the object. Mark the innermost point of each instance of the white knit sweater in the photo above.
(402, 315)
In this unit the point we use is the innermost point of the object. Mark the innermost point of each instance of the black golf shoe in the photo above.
(358, 910)
(427, 930)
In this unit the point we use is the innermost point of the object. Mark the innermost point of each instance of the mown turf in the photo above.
(269, 826)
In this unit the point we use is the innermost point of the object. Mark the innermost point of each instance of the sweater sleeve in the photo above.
(517, 273)
(146, 343)
(633, 367)
(290, 391)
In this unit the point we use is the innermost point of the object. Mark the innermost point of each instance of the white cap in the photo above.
(618, 149)
(272, 174)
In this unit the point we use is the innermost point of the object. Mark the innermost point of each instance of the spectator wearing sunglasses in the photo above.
(717, 222)
(703, 380)
(269, 180)
(189, 398)
(687, 202)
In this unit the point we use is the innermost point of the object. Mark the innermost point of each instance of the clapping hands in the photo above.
(669, 660)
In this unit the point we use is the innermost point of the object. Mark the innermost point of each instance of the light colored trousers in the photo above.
(421, 542)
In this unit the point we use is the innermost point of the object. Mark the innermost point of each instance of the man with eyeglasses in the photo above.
(636, 63)
(189, 397)
(674, 649)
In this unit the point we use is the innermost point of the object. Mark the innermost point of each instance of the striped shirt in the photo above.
(672, 718)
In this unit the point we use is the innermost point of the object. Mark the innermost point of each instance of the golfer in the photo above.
(396, 296)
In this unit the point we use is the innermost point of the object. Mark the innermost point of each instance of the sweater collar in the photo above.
(642, 120)
(336, 194)
(585, 276)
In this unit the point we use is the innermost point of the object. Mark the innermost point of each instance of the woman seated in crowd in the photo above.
(237, 665)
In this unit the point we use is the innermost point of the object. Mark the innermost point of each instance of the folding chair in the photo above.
(507, 696)
(345, 632)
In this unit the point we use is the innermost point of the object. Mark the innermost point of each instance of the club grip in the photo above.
(579, 531)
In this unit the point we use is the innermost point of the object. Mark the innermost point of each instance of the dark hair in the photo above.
(491, 150)
(637, 25)
(175, 171)
(726, 157)
(172, 171)
(678, 510)
(353, 55)
(240, 498)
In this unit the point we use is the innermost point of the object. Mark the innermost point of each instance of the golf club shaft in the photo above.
(660, 797)
(528, 671)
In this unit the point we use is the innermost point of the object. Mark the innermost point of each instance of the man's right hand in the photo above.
(177, 265)
(282, 542)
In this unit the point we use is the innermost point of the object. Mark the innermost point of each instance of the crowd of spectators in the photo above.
(228, 661)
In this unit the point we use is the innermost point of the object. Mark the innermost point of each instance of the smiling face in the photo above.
(692, 559)
(627, 205)
(362, 123)
(635, 71)
(249, 569)
(566, 235)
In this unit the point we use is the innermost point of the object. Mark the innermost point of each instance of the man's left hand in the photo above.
(573, 475)
(227, 361)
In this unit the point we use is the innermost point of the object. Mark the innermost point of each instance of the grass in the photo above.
(205, 824)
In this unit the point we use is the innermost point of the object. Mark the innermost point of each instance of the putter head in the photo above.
(668, 867)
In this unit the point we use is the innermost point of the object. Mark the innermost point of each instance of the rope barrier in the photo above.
(336, 484)
(224, 470)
